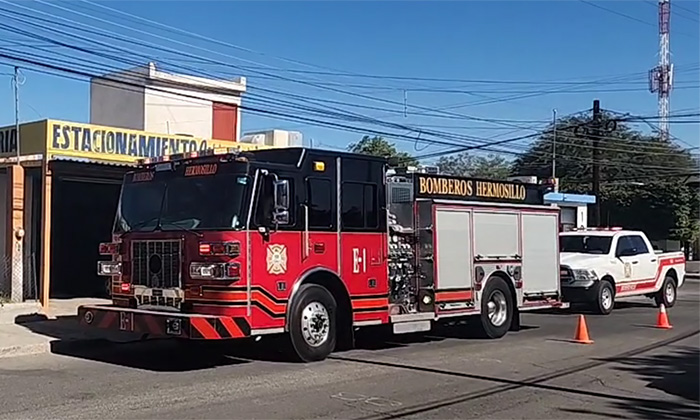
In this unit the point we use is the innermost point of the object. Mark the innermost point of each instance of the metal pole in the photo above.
(554, 144)
(16, 86)
(596, 159)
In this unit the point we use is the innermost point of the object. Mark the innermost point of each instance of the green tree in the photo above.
(378, 146)
(465, 164)
(641, 186)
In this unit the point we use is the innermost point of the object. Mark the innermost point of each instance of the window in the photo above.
(320, 201)
(360, 206)
(625, 246)
(639, 244)
(582, 244)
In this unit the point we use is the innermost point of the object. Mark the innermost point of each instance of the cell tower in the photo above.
(661, 76)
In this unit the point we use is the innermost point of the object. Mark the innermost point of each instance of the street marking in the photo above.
(364, 399)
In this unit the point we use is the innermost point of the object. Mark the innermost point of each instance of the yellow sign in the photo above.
(118, 144)
(440, 186)
(32, 139)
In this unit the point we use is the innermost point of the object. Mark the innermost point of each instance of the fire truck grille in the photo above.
(156, 264)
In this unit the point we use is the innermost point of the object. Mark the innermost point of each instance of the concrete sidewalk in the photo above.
(25, 330)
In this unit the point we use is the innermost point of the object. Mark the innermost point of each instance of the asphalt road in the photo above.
(631, 371)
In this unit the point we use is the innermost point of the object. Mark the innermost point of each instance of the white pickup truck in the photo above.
(599, 266)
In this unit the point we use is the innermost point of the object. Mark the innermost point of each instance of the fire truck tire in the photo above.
(496, 308)
(312, 323)
(667, 294)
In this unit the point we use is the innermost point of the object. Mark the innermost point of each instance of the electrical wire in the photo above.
(632, 18)
(351, 128)
(585, 146)
(511, 140)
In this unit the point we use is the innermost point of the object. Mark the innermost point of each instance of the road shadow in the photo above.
(675, 373)
(382, 338)
(172, 355)
(583, 309)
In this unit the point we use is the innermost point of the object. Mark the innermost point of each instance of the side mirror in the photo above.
(281, 201)
(281, 194)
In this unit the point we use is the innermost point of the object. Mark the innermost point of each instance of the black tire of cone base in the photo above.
(661, 296)
(604, 287)
(308, 294)
(494, 287)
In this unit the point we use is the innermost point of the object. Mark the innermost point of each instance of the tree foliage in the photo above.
(465, 164)
(641, 183)
(378, 146)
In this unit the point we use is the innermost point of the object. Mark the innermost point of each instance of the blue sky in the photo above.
(532, 41)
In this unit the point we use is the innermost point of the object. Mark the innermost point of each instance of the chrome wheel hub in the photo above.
(315, 324)
(670, 293)
(497, 308)
(606, 298)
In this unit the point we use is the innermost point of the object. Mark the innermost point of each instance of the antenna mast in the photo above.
(661, 76)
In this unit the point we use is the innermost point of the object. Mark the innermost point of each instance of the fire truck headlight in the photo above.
(204, 270)
(215, 271)
(109, 268)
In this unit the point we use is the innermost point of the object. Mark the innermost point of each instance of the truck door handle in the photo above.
(635, 262)
(653, 260)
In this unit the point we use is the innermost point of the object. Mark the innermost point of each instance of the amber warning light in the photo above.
(231, 249)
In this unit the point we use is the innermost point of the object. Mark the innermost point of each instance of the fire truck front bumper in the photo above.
(191, 326)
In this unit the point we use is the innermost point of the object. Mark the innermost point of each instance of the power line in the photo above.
(287, 116)
(403, 127)
(138, 42)
(632, 18)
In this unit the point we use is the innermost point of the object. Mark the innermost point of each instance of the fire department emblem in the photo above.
(277, 259)
(628, 270)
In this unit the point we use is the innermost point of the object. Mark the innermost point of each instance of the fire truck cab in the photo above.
(314, 244)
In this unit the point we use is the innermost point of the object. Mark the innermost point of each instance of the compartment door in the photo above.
(540, 272)
(453, 253)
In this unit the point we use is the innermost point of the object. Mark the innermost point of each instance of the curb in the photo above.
(25, 350)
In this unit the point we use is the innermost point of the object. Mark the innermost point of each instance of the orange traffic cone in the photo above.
(582, 332)
(662, 319)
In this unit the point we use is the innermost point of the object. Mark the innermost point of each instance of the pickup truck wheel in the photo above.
(312, 327)
(605, 301)
(496, 308)
(667, 294)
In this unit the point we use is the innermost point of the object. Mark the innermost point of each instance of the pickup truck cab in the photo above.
(598, 266)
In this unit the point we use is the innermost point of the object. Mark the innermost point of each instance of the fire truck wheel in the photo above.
(496, 308)
(312, 323)
(667, 294)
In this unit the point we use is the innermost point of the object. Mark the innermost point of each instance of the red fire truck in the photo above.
(315, 244)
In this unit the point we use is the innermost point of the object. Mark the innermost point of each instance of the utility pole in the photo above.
(554, 144)
(15, 83)
(595, 140)
(14, 247)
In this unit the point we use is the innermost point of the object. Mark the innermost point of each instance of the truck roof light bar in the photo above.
(217, 151)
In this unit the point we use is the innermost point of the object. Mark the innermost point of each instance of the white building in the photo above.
(145, 98)
(574, 207)
(278, 138)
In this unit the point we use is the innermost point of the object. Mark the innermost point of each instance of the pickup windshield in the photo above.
(582, 244)
(177, 202)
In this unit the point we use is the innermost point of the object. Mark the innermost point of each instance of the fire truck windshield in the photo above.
(175, 202)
